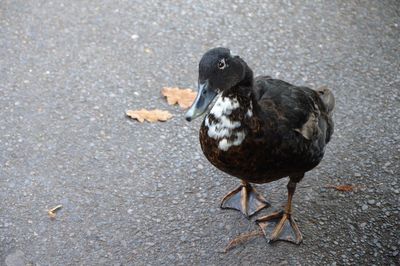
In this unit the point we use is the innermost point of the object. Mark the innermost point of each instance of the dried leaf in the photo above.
(149, 115)
(345, 188)
(183, 97)
(52, 211)
(242, 238)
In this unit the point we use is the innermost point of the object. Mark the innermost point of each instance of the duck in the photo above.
(259, 130)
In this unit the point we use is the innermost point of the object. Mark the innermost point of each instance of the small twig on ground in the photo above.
(242, 238)
(52, 211)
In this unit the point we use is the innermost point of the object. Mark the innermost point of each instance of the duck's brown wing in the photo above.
(294, 108)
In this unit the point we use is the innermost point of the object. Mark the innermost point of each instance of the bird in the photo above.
(260, 129)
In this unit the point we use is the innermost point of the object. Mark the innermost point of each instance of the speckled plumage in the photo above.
(273, 147)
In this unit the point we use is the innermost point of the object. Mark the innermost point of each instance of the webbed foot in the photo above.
(280, 226)
(244, 199)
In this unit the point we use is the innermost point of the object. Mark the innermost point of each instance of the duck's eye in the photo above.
(221, 63)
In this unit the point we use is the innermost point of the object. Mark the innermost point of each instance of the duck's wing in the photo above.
(294, 108)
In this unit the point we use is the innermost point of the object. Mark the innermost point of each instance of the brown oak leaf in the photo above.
(345, 188)
(183, 97)
(149, 115)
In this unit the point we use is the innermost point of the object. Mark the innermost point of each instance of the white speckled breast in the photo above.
(223, 128)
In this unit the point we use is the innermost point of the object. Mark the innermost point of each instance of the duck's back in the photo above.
(296, 108)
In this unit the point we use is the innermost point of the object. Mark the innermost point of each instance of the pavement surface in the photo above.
(143, 194)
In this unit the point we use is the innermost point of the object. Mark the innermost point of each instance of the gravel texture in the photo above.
(143, 194)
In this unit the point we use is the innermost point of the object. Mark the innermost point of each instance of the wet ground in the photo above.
(143, 194)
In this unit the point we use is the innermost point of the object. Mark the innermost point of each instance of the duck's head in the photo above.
(218, 70)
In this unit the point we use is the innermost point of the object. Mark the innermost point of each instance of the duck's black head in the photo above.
(218, 70)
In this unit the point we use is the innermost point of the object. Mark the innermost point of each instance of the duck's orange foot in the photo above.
(280, 226)
(244, 199)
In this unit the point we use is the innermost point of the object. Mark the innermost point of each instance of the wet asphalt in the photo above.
(143, 194)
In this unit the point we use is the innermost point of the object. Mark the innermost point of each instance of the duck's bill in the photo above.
(204, 98)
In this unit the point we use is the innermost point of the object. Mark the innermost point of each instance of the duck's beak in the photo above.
(204, 98)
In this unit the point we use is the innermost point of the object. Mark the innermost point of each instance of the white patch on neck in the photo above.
(249, 113)
(239, 138)
(222, 130)
(225, 144)
(250, 110)
(224, 106)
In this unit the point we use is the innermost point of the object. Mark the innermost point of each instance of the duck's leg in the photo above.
(244, 199)
(281, 225)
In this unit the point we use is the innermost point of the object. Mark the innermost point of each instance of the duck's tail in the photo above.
(327, 98)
